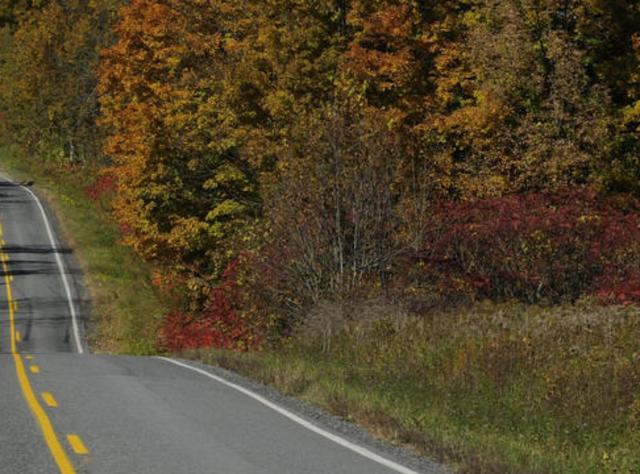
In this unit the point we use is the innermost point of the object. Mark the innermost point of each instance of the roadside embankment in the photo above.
(495, 388)
(125, 309)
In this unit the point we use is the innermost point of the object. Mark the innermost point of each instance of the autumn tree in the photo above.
(12, 11)
(391, 53)
(623, 173)
(184, 194)
(332, 207)
(503, 133)
(284, 60)
(48, 87)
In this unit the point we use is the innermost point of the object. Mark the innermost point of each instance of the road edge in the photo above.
(353, 437)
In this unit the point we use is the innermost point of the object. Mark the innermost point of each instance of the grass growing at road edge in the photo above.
(489, 389)
(125, 309)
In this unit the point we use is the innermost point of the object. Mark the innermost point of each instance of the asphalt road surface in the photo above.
(65, 410)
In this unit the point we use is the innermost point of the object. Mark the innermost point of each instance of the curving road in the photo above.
(64, 410)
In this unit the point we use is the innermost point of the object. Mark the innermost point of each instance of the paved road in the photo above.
(64, 410)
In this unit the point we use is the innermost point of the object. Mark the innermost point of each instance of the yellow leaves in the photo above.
(586, 219)
(193, 164)
(225, 175)
(187, 233)
(170, 135)
(47, 82)
(226, 209)
(483, 186)
(279, 103)
(471, 18)
(478, 120)
(631, 115)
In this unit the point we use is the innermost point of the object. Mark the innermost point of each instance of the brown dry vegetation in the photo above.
(494, 388)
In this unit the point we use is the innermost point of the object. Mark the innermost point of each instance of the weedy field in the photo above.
(494, 388)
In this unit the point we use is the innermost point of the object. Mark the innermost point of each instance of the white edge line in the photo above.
(295, 418)
(63, 276)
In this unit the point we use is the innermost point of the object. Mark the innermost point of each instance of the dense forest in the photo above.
(272, 156)
(426, 214)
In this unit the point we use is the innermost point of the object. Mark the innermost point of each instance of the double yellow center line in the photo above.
(49, 434)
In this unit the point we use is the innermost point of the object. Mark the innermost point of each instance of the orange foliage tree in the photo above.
(184, 194)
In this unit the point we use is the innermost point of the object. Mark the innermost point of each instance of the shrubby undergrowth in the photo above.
(539, 248)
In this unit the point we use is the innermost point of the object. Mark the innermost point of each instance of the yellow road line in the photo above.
(18, 336)
(28, 357)
(49, 434)
(49, 399)
(34, 369)
(77, 444)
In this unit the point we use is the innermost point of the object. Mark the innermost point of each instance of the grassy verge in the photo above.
(507, 388)
(125, 308)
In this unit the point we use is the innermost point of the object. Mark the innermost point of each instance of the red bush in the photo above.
(621, 289)
(220, 325)
(542, 246)
(104, 184)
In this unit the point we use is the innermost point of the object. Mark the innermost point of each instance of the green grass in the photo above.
(125, 308)
(494, 388)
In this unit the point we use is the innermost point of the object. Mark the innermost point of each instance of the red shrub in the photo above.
(220, 325)
(623, 288)
(125, 229)
(104, 184)
(532, 247)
